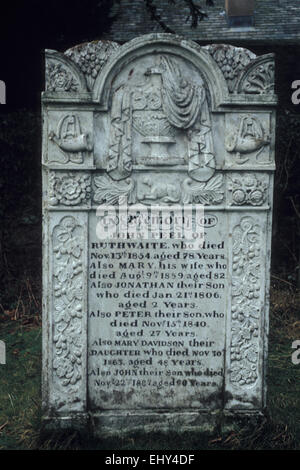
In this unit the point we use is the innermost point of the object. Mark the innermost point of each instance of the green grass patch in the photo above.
(20, 390)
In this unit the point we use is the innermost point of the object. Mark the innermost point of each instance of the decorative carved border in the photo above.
(245, 302)
(68, 305)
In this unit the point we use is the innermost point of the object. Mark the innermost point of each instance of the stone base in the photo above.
(125, 423)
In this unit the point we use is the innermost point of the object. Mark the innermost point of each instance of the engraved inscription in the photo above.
(156, 317)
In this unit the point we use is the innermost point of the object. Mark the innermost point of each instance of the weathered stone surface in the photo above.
(91, 58)
(144, 333)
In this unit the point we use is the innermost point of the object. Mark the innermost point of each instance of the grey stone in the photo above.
(2, 353)
(163, 333)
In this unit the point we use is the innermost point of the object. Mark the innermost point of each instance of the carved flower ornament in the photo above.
(248, 190)
(70, 189)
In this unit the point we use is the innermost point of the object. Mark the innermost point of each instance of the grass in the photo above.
(20, 386)
(20, 397)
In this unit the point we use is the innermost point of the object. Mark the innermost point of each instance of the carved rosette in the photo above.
(91, 58)
(166, 104)
(245, 306)
(68, 281)
(248, 189)
(69, 189)
(58, 78)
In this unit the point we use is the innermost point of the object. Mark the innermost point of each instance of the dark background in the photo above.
(29, 27)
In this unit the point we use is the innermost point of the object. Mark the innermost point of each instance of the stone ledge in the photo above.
(125, 423)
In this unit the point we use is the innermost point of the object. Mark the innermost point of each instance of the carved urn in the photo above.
(150, 121)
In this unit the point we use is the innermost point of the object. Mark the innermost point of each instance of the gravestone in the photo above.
(148, 323)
